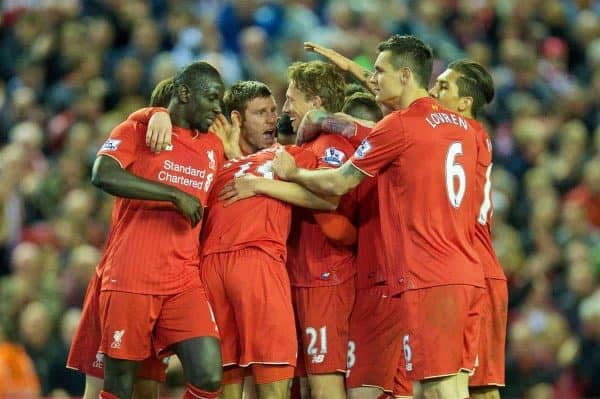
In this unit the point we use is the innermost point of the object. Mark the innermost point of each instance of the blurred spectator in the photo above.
(17, 375)
(36, 327)
(70, 71)
(588, 362)
(588, 193)
(78, 272)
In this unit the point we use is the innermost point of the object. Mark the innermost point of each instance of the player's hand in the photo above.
(189, 206)
(229, 133)
(158, 134)
(239, 189)
(284, 165)
(336, 58)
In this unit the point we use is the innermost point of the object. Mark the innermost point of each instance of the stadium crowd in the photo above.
(70, 71)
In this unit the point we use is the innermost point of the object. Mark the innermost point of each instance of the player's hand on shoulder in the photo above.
(158, 134)
(189, 206)
(239, 189)
(284, 165)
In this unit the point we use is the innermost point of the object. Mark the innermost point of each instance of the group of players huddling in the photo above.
(351, 250)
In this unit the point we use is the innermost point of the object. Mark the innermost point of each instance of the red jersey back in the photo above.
(426, 159)
(261, 221)
(152, 247)
(313, 260)
(483, 232)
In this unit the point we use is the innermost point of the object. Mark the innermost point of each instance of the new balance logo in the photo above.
(318, 359)
(117, 337)
(99, 362)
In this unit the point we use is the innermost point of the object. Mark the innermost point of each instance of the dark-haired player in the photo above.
(83, 353)
(152, 299)
(466, 87)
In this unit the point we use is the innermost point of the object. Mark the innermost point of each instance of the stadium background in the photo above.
(70, 70)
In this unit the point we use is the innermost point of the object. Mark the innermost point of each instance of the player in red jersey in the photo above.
(245, 249)
(150, 279)
(244, 253)
(467, 87)
(425, 157)
(374, 350)
(464, 87)
(322, 273)
(83, 352)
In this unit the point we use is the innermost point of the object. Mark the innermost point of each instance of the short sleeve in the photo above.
(331, 150)
(123, 143)
(361, 133)
(381, 147)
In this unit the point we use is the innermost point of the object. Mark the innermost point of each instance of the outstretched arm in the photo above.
(108, 175)
(326, 182)
(345, 64)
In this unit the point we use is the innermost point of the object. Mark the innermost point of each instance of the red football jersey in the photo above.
(369, 261)
(426, 159)
(260, 221)
(483, 233)
(152, 247)
(313, 260)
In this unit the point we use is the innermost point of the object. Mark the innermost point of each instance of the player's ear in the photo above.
(405, 75)
(317, 102)
(183, 94)
(465, 103)
(237, 115)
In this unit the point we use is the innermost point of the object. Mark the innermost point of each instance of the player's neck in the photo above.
(467, 114)
(178, 117)
(410, 96)
(246, 148)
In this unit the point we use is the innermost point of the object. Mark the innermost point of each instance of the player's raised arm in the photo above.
(328, 182)
(344, 63)
(109, 176)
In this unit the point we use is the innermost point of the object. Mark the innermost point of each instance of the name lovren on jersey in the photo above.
(203, 182)
(437, 118)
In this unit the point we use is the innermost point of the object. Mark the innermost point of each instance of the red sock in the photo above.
(193, 392)
(107, 395)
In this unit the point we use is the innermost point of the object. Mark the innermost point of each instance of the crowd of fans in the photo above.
(71, 70)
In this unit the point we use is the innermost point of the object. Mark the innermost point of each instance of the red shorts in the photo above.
(262, 373)
(250, 292)
(441, 334)
(323, 317)
(84, 355)
(136, 325)
(492, 341)
(375, 347)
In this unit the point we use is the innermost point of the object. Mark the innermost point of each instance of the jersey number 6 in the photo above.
(455, 171)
